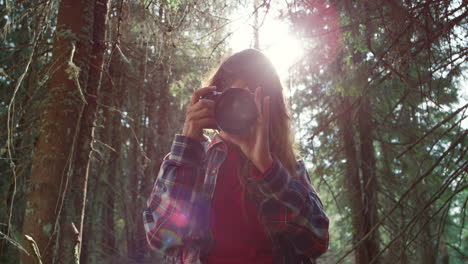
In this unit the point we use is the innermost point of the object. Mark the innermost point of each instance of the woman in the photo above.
(237, 199)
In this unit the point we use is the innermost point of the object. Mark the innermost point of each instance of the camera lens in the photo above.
(236, 111)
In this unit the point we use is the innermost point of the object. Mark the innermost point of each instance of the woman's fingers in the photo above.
(258, 100)
(200, 92)
(202, 110)
(201, 113)
(202, 104)
(266, 114)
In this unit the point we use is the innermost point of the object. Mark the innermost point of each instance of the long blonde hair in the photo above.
(255, 69)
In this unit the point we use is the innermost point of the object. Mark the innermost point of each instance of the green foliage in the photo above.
(404, 57)
(150, 52)
(379, 58)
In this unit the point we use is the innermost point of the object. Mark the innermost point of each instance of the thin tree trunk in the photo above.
(102, 186)
(445, 257)
(9, 187)
(352, 179)
(369, 178)
(52, 156)
(109, 235)
(133, 215)
(256, 26)
(398, 250)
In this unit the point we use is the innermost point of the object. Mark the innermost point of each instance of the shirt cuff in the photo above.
(257, 174)
(187, 151)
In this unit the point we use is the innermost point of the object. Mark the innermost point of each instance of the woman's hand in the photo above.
(200, 114)
(255, 145)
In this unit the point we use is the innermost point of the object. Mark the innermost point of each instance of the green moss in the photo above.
(47, 229)
(28, 210)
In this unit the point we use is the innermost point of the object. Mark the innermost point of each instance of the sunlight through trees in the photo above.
(93, 91)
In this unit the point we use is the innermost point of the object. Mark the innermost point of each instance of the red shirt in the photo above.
(239, 237)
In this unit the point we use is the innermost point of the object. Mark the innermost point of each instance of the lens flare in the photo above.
(179, 219)
(169, 239)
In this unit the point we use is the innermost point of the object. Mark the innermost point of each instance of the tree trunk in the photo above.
(256, 26)
(369, 178)
(75, 199)
(135, 247)
(114, 134)
(96, 244)
(10, 189)
(397, 252)
(352, 179)
(50, 175)
(109, 235)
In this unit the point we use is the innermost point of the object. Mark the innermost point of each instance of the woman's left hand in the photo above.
(255, 145)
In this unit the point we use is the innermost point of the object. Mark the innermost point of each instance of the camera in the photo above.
(235, 110)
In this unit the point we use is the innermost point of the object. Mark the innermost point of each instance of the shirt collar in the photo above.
(217, 140)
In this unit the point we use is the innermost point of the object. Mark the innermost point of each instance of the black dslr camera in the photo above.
(235, 110)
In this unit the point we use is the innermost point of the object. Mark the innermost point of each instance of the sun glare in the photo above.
(276, 40)
(281, 46)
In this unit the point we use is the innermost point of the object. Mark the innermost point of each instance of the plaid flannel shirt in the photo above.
(178, 211)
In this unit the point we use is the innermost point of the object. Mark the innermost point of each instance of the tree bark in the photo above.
(96, 243)
(134, 227)
(352, 179)
(50, 175)
(75, 199)
(369, 178)
(9, 187)
(114, 134)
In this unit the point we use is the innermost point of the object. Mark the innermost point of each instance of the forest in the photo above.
(92, 93)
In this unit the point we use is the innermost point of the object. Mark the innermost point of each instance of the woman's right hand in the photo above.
(200, 114)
